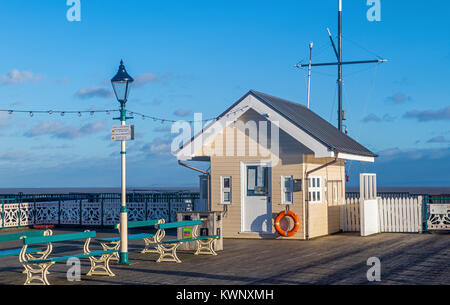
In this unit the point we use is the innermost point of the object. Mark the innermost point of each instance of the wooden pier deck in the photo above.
(330, 260)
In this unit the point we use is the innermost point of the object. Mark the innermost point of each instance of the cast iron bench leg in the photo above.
(114, 245)
(39, 274)
(101, 263)
(151, 246)
(205, 247)
(170, 251)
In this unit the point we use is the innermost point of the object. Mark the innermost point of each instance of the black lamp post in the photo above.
(121, 83)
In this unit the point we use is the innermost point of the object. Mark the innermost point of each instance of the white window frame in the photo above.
(314, 190)
(285, 189)
(224, 190)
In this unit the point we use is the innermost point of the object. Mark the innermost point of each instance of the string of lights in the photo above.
(92, 112)
(144, 116)
(60, 112)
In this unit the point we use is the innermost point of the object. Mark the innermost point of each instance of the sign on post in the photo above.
(122, 133)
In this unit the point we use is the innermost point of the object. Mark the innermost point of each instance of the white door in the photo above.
(257, 208)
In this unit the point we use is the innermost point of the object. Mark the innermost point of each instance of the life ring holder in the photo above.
(287, 213)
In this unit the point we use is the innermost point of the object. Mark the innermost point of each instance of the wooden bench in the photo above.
(37, 268)
(168, 248)
(17, 236)
(150, 239)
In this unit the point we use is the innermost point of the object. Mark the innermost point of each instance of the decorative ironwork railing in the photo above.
(91, 209)
(437, 213)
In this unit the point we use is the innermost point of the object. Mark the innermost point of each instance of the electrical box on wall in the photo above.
(297, 185)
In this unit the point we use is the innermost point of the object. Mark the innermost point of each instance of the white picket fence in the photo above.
(395, 214)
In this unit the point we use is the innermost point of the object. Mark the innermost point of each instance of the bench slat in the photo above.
(64, 258)
(59, 237)
(13, 252)
(141, 223)
(130, 237)
(17, 236)
(188, 223)
(188, 239)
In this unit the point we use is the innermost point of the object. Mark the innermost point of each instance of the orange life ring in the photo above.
(294, 229)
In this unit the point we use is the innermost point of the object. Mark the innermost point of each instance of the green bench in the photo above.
(17, 236)
(150, 239)
(168, 248)
(37, 268)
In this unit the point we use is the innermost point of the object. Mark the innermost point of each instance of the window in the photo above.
(315, 189)
(257, 184)
(287, 189)
(225, 190)
(335, 193)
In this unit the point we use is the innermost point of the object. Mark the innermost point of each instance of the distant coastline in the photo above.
(431, 190)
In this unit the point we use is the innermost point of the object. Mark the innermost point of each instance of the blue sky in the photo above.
(201, 56)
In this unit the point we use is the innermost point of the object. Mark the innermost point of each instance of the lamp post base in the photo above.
(123, 258)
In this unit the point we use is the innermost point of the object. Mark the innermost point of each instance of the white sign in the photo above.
(122, 133)
(439, 208)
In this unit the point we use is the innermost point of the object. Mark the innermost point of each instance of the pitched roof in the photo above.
(312, 124)
(304, 119)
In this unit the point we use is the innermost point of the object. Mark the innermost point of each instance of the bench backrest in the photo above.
(17, 236)
(138, 224)
(59, 237)
(178, 224)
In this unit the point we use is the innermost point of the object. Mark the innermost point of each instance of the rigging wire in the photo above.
(361, 47)
(318, 50)
(369, 96)
(334, 103)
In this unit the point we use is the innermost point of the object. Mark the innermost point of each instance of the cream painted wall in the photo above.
(234, 145)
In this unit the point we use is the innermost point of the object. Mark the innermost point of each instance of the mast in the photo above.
(340, 66)
(309, 73)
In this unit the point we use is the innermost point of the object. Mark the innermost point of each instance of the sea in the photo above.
(68, 190)
(431, 190)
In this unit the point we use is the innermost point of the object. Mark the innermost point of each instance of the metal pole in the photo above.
(123, 208)
(340, 66)
(309, 72)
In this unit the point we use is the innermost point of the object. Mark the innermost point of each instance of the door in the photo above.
(257, 208)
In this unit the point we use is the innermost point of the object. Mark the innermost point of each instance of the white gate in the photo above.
(394, 214)
(368, 206)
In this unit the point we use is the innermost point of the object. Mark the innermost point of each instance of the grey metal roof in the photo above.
(306, 120)
(313, 124)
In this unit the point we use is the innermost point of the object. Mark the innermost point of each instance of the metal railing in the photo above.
(91, 209)
(437, 213)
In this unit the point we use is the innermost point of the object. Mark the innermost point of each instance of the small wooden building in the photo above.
(269, 155)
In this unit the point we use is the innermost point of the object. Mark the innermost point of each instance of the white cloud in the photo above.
(18, 77)
(143, 79)
(159, 146)
(91, 92)
(182, 113)
(63, 131)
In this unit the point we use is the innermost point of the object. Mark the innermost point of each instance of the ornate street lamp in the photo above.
(121, 83)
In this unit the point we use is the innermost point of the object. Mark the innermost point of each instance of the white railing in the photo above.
(400, 214)
(350, 219)
(395, 214)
